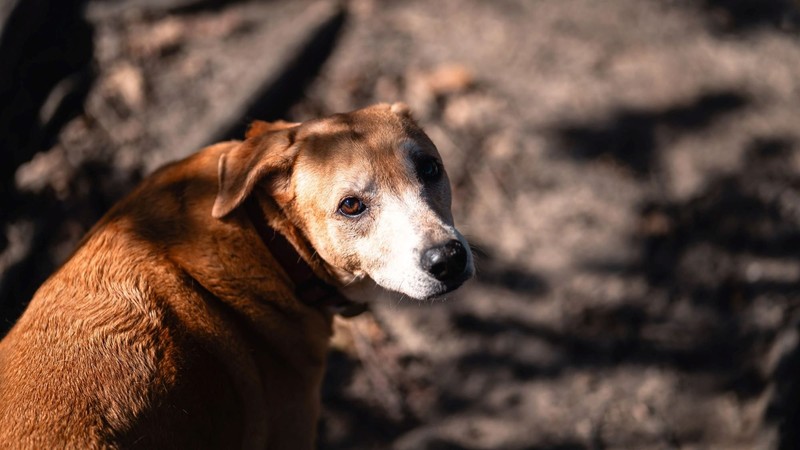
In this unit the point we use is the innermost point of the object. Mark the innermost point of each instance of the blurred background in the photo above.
(628, 171)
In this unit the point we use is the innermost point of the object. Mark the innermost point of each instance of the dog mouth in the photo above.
(449, 286)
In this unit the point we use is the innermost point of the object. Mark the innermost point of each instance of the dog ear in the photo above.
(268, 151)
(259, 127)
(401, 109)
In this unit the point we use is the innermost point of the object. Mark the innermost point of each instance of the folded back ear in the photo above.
(268, 152)
(401, 109)
(259, 127)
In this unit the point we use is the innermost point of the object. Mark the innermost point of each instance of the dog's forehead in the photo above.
(370, 125)
(369, 134)
(370, 150)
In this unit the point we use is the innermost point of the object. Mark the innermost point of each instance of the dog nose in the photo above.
(446, 261)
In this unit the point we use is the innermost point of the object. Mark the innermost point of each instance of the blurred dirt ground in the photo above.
(628, 170)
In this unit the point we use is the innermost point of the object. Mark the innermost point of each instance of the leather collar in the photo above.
(309, 288)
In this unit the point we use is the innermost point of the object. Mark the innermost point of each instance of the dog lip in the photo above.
(450, 286)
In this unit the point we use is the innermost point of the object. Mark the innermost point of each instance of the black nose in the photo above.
(445, 262)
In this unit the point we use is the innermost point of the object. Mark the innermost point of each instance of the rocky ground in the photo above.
(629, 172)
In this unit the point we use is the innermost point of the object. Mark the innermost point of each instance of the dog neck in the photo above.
(296, 259)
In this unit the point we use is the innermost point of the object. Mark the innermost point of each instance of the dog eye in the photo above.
(352, 206)
(429, 170)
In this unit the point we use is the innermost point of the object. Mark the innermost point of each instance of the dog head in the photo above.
(366, 189)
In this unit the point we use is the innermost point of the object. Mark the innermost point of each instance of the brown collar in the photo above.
(309, 288)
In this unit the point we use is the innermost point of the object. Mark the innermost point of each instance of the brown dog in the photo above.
(198, 311)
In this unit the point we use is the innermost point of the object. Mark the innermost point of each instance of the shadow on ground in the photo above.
(736, 16)
(731, 251)
(631, 137)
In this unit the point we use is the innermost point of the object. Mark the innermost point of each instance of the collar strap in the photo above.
(308, 287)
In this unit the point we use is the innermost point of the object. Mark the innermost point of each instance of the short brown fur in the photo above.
(173, 328)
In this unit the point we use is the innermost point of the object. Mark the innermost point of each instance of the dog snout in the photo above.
(445, 262)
